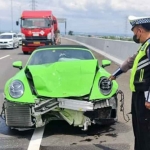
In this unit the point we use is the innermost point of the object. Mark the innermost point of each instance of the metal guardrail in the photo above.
(116, 48)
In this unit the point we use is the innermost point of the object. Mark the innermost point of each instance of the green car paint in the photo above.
(96, 93)
(73, 117)
(56, 78)
(106, 63)
(27, 96)
(64, 79)
(17, 64)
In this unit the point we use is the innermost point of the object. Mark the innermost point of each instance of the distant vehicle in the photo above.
(9, 40)
(38, 29)
(20, 38)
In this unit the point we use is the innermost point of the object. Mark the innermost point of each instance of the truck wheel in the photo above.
(25, 53)
(53, 42)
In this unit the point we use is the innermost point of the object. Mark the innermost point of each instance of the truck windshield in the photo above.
(36, 23)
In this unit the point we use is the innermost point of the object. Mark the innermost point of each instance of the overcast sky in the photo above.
(102, 16)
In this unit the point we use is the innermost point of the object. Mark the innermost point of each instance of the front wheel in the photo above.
(13, 46)
(25, 53)
(18, 45)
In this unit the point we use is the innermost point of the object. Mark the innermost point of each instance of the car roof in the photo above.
(7, 33)
(61, 46)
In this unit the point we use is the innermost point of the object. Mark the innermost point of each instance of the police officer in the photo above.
(139, 82)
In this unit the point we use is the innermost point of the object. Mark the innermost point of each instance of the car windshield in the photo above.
(52, 56)
(36, 23)
(5, 36)
(19, 35)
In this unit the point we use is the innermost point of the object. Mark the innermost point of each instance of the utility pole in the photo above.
(0, 25)
(11, 15)
(126, 26)
(33, 4)
(63, 20)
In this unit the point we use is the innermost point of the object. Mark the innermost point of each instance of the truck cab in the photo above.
(37, 28)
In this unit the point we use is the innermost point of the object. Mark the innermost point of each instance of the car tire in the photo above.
(18, 45)
(13, 46)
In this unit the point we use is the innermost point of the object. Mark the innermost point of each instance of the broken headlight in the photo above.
(105, 86)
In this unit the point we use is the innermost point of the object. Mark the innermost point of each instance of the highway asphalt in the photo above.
(59, 135)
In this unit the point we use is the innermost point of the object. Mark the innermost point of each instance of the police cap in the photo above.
(139, 21)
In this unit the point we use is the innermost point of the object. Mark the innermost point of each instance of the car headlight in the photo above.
(49, 36)
(10, 41)
(16, 89)
(105, 86)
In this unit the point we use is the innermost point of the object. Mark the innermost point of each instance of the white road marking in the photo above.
(36, 139)
(4, 56)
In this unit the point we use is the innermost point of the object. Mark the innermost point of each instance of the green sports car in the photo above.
(63, 82)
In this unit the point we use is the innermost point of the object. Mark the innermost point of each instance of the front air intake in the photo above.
(18, 115)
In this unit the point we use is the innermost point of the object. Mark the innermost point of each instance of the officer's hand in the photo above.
(147, 105)
(147, 98)
(112, 77)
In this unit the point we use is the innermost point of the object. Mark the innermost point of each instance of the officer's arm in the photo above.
(124, 67)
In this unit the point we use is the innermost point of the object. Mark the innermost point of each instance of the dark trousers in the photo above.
(140, 121)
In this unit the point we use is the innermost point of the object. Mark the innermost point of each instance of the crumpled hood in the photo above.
(64, 79)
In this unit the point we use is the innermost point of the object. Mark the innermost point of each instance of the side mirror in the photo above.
(54, 21)
(17, 23)
(106, 63)
(17, 64)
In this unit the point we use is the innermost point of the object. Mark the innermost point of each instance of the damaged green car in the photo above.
(62, 82)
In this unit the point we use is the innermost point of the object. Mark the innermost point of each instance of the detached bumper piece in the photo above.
(75, 104)
(18, 115)
(81, 105)
(101, 112)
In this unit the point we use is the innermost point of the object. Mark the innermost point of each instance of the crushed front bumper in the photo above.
(19, 115)
(98, 111)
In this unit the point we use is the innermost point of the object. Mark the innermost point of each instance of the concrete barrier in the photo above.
(119, 49)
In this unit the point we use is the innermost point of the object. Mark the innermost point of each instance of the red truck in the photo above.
(38, 28)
